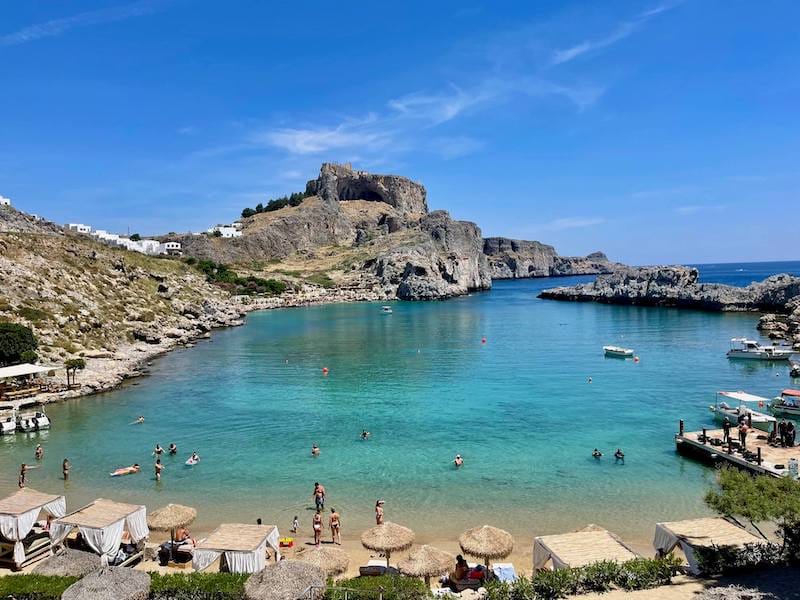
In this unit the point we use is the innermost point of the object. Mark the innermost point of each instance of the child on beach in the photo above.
(295, 525)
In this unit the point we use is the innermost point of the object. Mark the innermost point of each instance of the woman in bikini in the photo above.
(379, 512)
(317, 523)
(335, 524)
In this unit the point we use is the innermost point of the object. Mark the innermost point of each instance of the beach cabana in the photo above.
(101, 525)
(18, 515)
(242, 547)
(578, 549)
(694, 533)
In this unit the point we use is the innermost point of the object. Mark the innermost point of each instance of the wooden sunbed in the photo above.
(37, 547)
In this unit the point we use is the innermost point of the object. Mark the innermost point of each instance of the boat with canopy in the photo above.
(787, 404)
(743, 411)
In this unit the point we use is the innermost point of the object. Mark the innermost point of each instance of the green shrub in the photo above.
(29, 356)
(556, 584)
(30, 586)
(599, 576)
(721, 560)
(221, 274)
(321, 279)
(34, 315)
(14, 340)
(368, 588)
(197, 586)
(294, 199)
(645, 573)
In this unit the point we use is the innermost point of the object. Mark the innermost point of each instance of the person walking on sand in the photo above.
(158, 468)
(39, 452)
(65, 467)
(317, 524)
(295, 525)
(335, 523)
(379, 512)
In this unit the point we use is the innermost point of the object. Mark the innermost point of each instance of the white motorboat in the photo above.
(751, 417)
(794, 369)
(751, 349)
(35, 421)
(787, 404)
(8, 420)
(387, 310)
(618, 352)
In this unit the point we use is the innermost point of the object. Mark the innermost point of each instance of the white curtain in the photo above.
(137, 525)
(104, 541)
(247, 562)
(57, 508)
(664, 540)
(201, 559)
(273, 541)
(59, 532)
(15, 528)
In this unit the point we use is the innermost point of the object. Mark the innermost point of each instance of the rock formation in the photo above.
(516, 259)
(678, 286)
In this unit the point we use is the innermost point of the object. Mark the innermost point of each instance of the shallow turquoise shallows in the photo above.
(519, 408)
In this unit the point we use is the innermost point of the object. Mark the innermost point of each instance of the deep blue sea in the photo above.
(519, 408)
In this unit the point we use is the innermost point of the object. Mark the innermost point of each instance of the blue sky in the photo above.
(657, 131)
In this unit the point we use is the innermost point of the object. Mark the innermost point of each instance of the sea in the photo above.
(517, 385)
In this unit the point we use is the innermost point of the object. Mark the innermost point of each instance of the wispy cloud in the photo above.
(692, 209)
(352, 133)
(455, 147)
(572, 223)
(620, 32)
(94, 17)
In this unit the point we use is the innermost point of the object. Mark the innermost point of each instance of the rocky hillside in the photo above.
(517, 259)
(358, 230)
(112, 306)
(679, 286)
(12, 220)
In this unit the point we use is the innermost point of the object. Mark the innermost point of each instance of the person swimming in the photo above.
(39, 452)
(195, 457)
(458, 461)
(365, 434)
(173, 449)
(314, 449)
(139, 420)
(134, 468)
(158, 450)
(596, 453)
(619, 455)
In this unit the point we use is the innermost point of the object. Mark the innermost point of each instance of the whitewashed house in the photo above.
(226, 231)
(5, 201)
(171, 248)
(79, 228)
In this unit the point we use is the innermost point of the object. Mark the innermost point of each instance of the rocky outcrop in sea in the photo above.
(517, 259)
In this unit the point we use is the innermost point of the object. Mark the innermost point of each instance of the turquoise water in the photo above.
(519, 408)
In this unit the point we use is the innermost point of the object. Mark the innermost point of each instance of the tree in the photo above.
(217, 233)
(14, 341)
(259, 207)
(248, 212)
(136, 237)
(761, 498)
(29, 356)
(74, 365)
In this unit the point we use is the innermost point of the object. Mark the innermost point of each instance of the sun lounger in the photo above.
(37, 547)
(504, 572)
(375, 567)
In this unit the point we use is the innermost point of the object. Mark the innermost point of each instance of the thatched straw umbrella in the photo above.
(70, 563)
(285, 579)
(169, 518)
(387, 538)
(427, 561)
(119, 583)
(486, 542)
(333, 561)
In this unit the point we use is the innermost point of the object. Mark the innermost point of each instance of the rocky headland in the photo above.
(516, 259)
(678, 286)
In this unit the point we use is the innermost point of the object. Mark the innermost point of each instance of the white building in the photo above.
(171, 248)
(5, 201)
(226, 231)
(79, 227)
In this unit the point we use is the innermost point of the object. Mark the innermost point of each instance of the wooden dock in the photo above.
(707, 446)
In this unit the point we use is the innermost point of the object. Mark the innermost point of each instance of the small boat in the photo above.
(751, 349)
(618, 352)
(754, 418)
(8, 420)
(794, 369)
(787, 404)
(387, 310)
(36, 421)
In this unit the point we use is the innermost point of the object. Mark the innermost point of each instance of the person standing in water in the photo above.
(597, 454)
(335, 523)
(65, 467)
(314, 449)
(619, 455)
(317, 524)
(458, 461)
(158, 450)
(173, 449)
(23, 471)
(379, 512)
(39, 452)
(365, 434)
(319, 496)
(158, 468)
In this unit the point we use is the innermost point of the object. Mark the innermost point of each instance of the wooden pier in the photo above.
(758, 457)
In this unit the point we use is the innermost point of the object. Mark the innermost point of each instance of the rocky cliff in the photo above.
(679, 286)
(359, 230)
(516, 259)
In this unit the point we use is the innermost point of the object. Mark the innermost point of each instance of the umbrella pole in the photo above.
(172, 544)
(387, 559)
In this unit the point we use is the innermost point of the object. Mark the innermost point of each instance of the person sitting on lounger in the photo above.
(134, 468)
(462, 569)
(478, 573)
(182, 536)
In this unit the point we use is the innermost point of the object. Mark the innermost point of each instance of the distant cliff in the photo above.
(517, 259)
(679, 286)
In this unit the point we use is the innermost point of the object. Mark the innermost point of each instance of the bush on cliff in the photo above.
(220, 274)
(15, 340)
(294, 199)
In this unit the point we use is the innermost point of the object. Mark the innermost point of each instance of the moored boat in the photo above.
(752, 350)
(387, 310)
(35, 421)
(618, 352)
(8, 420)
(751, 417)
(787, 404)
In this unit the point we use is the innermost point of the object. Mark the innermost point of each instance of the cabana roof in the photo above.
(702, 532)
(26, 369)
(236, 537)
(25, 500)
(580, 548)
(100, 513)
